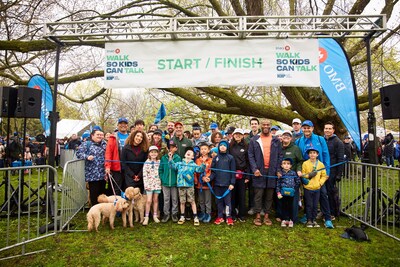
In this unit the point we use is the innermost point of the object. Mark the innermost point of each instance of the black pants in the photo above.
(96, 188)
(239, 198)
(287, 208)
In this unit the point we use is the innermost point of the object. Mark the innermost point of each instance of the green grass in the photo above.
(209, 245)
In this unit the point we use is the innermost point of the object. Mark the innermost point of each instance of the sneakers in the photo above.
(283, 223)
(229, 221)
(309, 224)
(145, 221)
(332, 218)
(207, 218)
(218, 221)
(175, 217)
(196, 221)
(320, 215)
(181, 220)
(329, 224)
(241, 219)
(165, 218)
(290, 224)
(315, 224)
(201, 216)
(155, 218)
(303, 219)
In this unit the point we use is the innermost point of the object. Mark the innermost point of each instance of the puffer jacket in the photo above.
(289, 179)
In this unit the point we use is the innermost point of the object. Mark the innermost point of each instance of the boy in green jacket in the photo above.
(168, 178)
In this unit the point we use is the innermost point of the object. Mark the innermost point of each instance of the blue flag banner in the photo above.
(337, 81)
(160, 114)
(39, 82)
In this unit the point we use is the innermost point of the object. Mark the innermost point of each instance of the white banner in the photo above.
(201, 63)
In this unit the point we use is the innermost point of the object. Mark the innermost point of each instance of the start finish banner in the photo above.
(202, 63)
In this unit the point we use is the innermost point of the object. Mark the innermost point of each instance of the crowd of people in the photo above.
(264, 173)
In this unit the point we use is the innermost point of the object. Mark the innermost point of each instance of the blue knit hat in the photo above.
(224, 143)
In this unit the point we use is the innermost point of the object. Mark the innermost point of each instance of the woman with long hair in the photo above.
(134, 154)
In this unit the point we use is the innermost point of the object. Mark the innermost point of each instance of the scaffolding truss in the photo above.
(246, 27)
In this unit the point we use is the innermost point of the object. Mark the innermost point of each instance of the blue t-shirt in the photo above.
(122, 137)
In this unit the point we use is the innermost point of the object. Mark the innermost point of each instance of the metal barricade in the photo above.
(65, 156)
(370, 194)
(74, 193)
(27, 213)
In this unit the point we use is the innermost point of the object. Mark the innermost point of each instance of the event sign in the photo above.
(200, 63)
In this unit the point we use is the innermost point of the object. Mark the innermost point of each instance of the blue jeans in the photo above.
(390, 161)
(324, 203)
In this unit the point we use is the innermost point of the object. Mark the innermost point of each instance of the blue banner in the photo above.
(337, 81)
(160, 114)
(39, 82)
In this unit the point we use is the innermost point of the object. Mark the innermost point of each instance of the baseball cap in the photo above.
(123, 119)
(276, 128)
(288, 159)
(296, 120)
(158, 131)
(312, 149)
(178, 123)
(213, 126)
(238, 130)
(287, 132)
(172, 143)
(97, 128)
(214, 150)
(246, 131)
(230, 130)
(307, 123)
(153, 148)
(347, 137)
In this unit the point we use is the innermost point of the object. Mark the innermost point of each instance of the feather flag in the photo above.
(160, 114)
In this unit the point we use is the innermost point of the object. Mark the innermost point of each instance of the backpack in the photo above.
(357, 234)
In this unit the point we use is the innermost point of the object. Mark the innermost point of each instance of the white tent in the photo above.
(66, 127)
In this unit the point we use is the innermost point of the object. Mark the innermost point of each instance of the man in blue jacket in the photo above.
(308, 140)
(265, 156)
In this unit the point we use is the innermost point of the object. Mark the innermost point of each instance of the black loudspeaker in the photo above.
(390, 98)
(29, 102)
(8, 98)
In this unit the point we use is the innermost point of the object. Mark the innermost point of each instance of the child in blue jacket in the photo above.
(285, 189)
(223, 174)
(185, 182)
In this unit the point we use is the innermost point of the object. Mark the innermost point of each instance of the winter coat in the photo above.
(318, 181)
(186, 172)
(132, 164)
(317, 142)
(289, 179)
(256, 160)
(336, 155)
(206, 173)
(94, 169)
(151, 178)
(167, 174)
(223, 161)
(112, 155)
(239, 151)
(293, 152)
